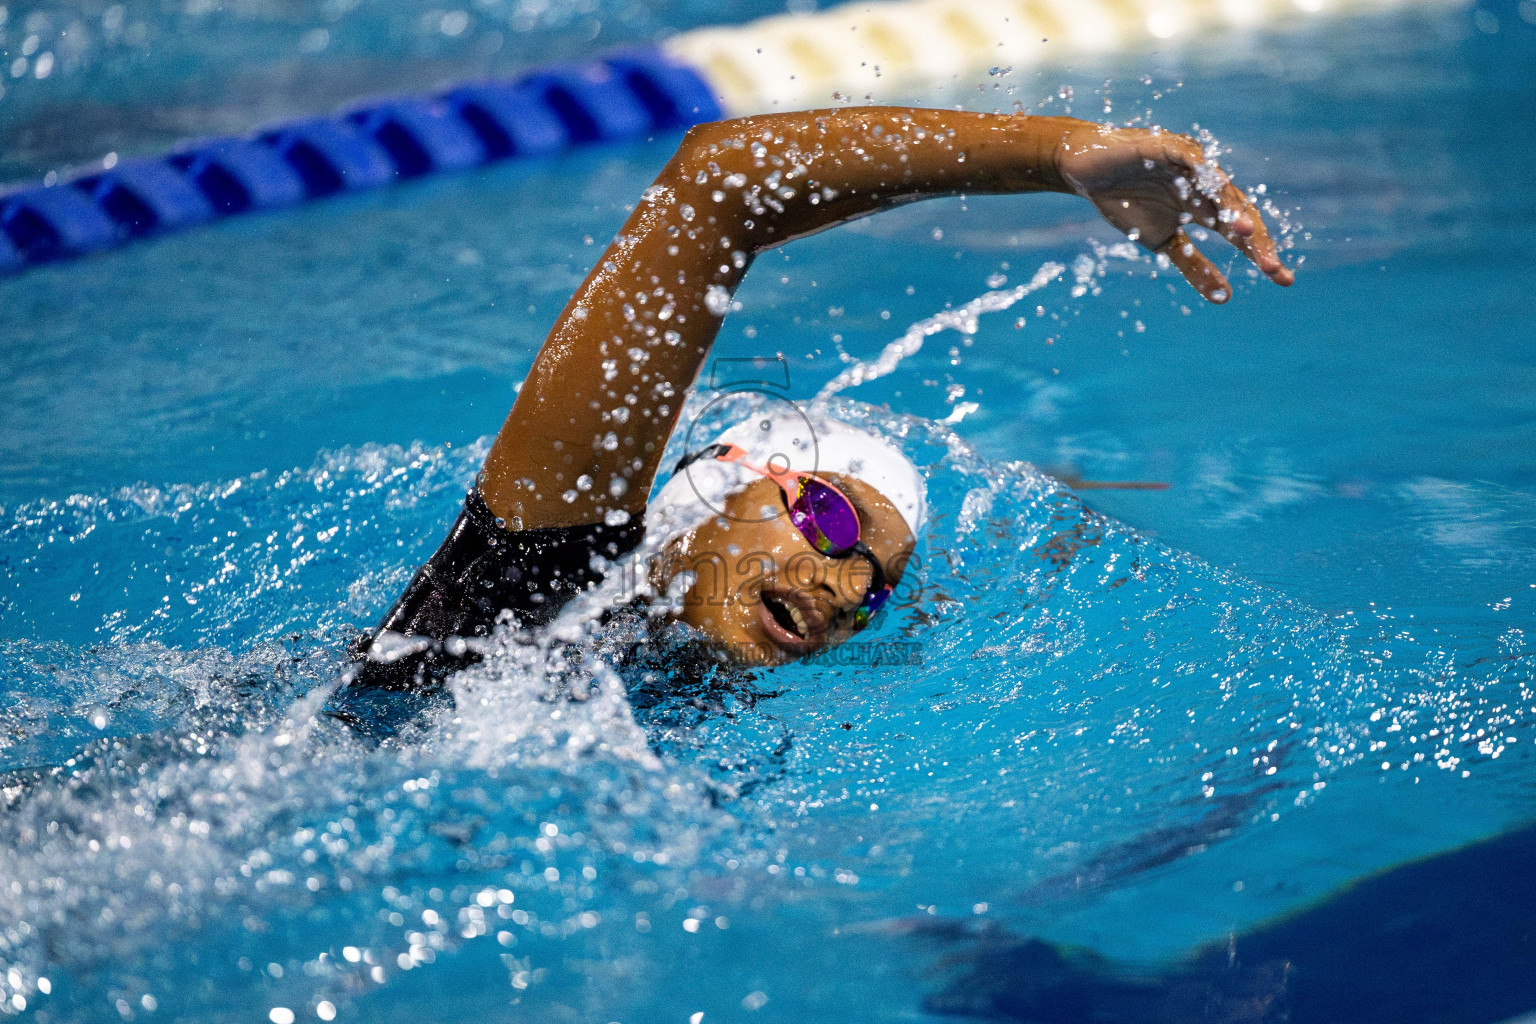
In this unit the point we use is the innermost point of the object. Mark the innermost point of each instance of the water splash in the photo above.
(965, 320)
(1086, 698)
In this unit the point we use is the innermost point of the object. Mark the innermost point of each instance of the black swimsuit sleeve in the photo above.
(480, 571)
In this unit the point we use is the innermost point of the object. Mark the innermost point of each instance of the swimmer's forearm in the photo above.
(821, 168)
(584, 439)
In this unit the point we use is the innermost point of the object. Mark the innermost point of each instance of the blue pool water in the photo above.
(1143, 721)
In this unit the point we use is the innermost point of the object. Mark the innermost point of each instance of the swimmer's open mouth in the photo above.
(792, 621)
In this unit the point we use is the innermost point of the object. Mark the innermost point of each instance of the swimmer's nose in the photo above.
(845, 583)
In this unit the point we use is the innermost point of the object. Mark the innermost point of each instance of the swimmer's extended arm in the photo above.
(585, 437)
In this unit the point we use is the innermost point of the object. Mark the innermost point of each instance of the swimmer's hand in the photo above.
(1151, 184)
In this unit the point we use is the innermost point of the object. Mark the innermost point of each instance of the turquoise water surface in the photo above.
(1143, 720)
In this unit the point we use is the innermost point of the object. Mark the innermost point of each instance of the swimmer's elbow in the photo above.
(716, 141)
(701, 144)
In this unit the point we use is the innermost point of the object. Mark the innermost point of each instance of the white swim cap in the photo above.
(800, 443)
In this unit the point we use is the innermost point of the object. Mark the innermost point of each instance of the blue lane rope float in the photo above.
(331, 156)
(144, 196)
(624, 96)
(880, 51)
(237, 175)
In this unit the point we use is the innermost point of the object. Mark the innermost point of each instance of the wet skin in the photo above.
(585, 437)
(762, 592)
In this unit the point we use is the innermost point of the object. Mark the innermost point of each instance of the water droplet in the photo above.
(717, 300)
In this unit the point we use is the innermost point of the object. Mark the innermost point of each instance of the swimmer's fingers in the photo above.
(1238, 221)
(1256, 243)
(1200, 272)
(1216, 203)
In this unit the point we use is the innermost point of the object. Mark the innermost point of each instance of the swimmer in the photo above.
(829, 513)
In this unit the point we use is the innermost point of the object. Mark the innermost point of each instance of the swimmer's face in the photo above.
(763, 592)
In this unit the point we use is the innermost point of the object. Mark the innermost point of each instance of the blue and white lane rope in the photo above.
(883, 51)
